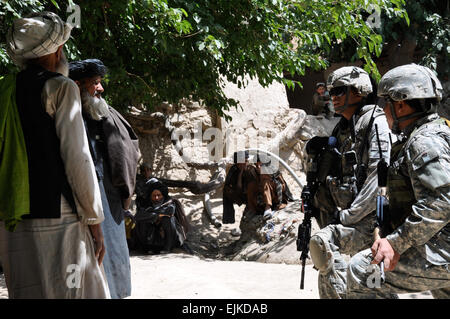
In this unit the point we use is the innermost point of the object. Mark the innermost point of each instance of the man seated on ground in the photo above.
(161, 223)
(145, 173)
(239, 179)
(272, 192)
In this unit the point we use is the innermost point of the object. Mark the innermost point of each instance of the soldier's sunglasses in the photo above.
(387, 101)
(338, 91)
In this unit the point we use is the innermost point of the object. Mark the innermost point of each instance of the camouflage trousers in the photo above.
(342, 240)
(413, 273)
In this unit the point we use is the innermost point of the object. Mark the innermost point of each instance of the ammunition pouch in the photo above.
(323, 200)
(329, 165)
(401, 199)
(343, 193)
(400, 191)
(325, 206)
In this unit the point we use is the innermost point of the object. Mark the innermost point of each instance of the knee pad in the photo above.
(321, 253)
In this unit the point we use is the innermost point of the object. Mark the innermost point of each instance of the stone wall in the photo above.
(264, 120)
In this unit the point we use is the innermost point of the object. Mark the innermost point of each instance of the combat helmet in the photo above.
(410, 82)
(350, 76)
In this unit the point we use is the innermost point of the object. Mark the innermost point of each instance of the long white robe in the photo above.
(55, 258)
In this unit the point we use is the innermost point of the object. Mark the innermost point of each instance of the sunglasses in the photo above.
(387, 101)
(338, 91)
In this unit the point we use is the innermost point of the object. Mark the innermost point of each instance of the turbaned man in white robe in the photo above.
(56, 251)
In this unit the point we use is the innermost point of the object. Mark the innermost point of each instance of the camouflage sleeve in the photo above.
(429, 170)
(365, 201)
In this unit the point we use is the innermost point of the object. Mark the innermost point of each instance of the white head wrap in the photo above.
(37, 35)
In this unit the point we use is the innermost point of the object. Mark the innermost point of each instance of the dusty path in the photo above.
(181, 276)
(184, 276)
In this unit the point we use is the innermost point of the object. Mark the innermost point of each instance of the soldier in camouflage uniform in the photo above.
(347, 202)
(416, 250)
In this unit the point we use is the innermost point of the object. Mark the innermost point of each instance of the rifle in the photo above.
(304, 230)
(324, 160)
(382, 170)
(314, 148)
(329, 161)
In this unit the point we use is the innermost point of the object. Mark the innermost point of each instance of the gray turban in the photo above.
(36, 35)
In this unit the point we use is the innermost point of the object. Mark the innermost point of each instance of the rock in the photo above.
(236, 232)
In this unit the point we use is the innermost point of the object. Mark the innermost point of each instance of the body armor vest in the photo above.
(353, 173)
(399, 188)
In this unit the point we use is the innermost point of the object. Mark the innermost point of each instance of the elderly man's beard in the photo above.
(96, 107)
(63, 65)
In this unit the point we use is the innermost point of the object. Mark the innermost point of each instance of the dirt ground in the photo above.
(220, 268)
(182, 276)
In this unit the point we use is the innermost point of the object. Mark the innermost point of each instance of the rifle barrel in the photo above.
(302, 281)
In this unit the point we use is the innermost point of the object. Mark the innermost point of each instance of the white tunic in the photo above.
(61, 98)
(55, 257)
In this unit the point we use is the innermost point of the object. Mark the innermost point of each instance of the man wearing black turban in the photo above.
(161, 224)
(114, 149)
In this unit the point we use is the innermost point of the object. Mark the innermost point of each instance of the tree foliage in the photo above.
(429, 28)
(166, 50)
